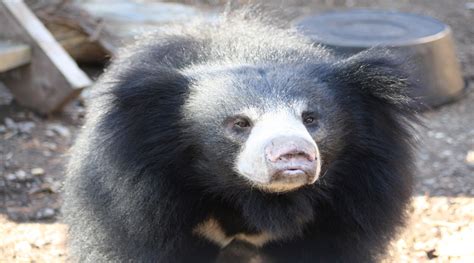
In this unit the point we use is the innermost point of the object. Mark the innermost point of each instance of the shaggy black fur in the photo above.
(149, 165)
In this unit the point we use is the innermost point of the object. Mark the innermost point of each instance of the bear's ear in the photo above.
(377, 75)
(141, 87)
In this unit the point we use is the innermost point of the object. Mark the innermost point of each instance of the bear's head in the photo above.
(267, 125)
(276, 127)
(279, 127)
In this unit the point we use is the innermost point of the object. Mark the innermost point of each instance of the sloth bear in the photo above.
(241, 130)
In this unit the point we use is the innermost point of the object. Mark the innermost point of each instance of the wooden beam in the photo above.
(52, 78)
(13, 55)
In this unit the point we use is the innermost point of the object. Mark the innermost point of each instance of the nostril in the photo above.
(295, 155)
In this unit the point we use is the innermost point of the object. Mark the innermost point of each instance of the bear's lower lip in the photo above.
(292, 172)
(293, 175)
(288, 179)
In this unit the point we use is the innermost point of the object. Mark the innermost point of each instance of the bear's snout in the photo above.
(279, 155)
(287, 149)
(291, 160)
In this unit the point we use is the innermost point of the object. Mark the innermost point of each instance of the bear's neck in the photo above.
(256, 218)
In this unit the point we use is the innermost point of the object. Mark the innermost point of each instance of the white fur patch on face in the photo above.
(251, 162)
(212, 231)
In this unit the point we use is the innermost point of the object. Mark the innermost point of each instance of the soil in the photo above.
(33, 151)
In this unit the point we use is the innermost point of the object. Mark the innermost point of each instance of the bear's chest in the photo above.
(215, 231)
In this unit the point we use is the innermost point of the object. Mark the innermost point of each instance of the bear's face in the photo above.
(257, 124)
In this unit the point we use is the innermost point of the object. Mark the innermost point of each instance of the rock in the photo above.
(439, 135)
(45, 213)
(10, 177)
(37, 171)
(50, 146)
(48, 180)
(19, 176)
(446, 153)
(10, 124)
(60, 129)
(22, 176)
(45, 188)
(3, 129)
(430, 181)
(50, 133)
(26, 126)
(470, 157)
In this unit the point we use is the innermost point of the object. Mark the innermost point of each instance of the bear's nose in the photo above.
(290, 150)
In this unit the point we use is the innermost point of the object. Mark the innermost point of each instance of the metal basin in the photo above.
(424, 42)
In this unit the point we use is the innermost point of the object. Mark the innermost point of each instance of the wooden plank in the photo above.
(48, 44)
(13, 55)
(52, 78)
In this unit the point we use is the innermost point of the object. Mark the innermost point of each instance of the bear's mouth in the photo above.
(286, 174)
(292, 172)
(304, 174)
(289, 178)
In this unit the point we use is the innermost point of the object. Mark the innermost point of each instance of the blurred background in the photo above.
(52, 51)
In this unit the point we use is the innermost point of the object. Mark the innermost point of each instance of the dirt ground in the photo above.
(441, 227)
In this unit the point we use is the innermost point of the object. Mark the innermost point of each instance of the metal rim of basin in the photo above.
(425, 42)
(334, 26)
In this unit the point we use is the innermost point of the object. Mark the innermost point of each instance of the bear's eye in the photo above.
(309, 118)
(238, 126)
(241, 123)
